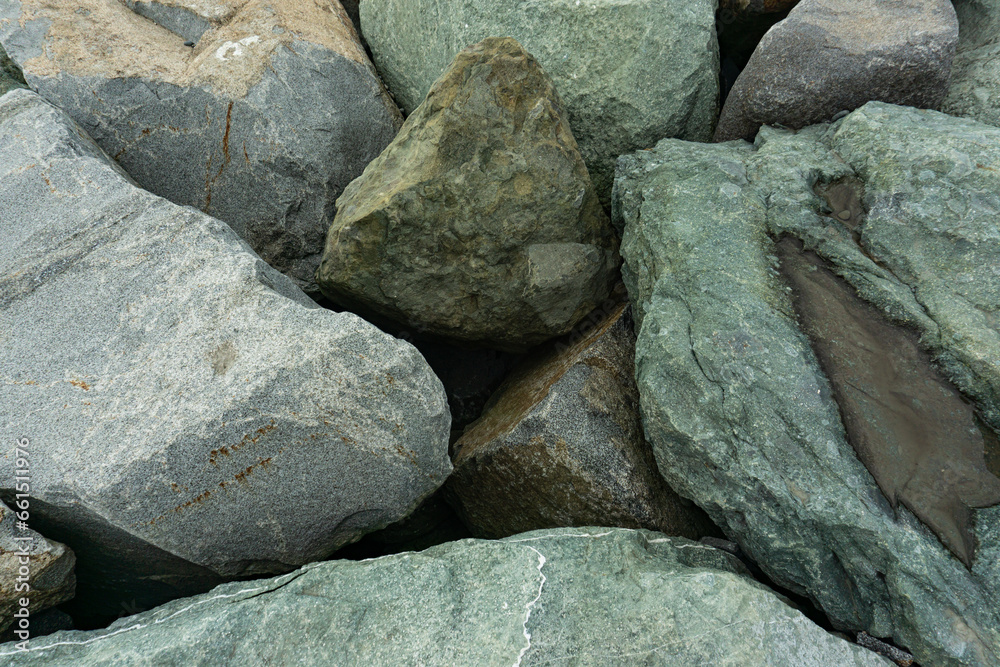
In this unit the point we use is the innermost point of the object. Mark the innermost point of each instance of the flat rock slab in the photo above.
(902, 205)
(479, 223)
(580, 596)
(630, 72)
(975, 76)
(830, 56)
(50, 577)
(261, 124)
(561, 444)
(193, 414)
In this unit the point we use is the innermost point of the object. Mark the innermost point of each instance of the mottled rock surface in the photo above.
(734, 401)
(479, 222)
(975, 76)
(50, 579)
(828, 56)
(580, 596)
(625, 84)
(193, 414)
(261, 124)
(561, 444)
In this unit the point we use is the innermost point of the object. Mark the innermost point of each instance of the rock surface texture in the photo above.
(975, 78)
(902, 205)
(828, 56)
(193, 414)
(626, 84)
(561, 444)
(10, 74)
(479, 222)
(261, 124)
(579, 596)
(50, 579)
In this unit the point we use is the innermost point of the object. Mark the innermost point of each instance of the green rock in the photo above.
(10, 74)
(581, 596)
(478, 223)
(975, 74)
(738, 410)
(631, 71)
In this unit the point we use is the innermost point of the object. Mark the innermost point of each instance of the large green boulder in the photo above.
(631, 71)
(587, 596)
(478, 223)
(898, 209)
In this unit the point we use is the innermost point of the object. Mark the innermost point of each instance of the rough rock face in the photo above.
(50, 570)
(533, 599)
(10, 74)
(600, 55)
(828, 56)
(193, 414)
(975, 78)
(479, 222)
(738, 409)
(561, 444)
(262, 124)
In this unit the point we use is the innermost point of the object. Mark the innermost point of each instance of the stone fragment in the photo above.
(577, 596)
(828, 56)
(630, 72)
(975, 75)
(740, 414)
(261, 124)
(561, 444)
(478, 223)
(50, 578)
(193, 415)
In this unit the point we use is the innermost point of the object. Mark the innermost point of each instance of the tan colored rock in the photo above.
(561, 444)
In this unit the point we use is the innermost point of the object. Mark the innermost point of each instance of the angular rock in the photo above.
(903, 205)
(50, 579)
(828, 56)
(580, 595)
(625, 85)
(478, 223)
(975, 74)
(189, 19)
(193, 415)
(10, 74)
(561, 444)
(262, 124)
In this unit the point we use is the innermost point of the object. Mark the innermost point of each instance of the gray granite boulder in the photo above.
(479, 223)
(630, 72)
(261, 124)
(975, 76)
(571, 596)
(828, 56)
(902, 206)
(194, 415)
(560, 444)
(31, 567)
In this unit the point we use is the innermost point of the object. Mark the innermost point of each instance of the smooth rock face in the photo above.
(479, 222)
(193, 414)
(975, 76)
(561, 444)
(742, 418)
(581, 596)
(262, 124)
(625, 85)
(828, 56)
(50, 579)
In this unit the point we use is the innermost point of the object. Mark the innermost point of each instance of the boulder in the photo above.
(193, 415)
(828, 56)
(261, 124)
(975, 74)
(561, 444)
(572, 595)
(49, 578)
(770, 430)
(478, 223)
(625, 85)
